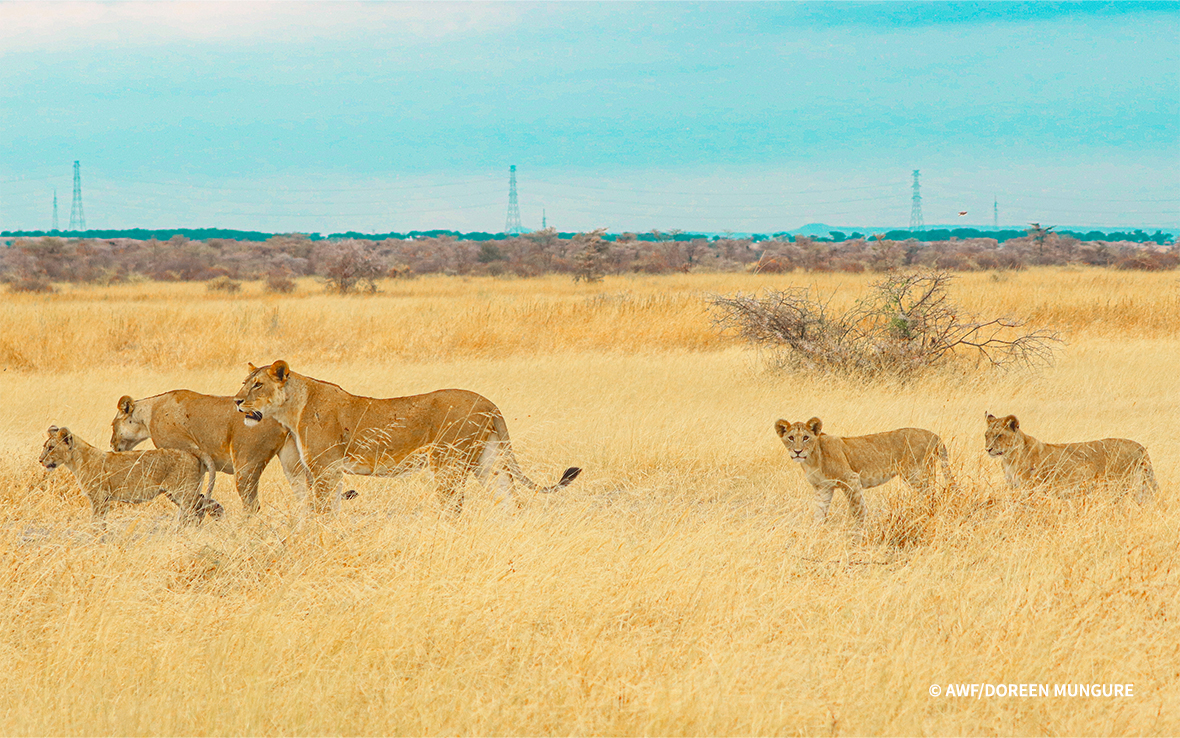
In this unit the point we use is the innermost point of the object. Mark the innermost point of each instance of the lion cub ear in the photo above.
(251, 367)
(279, 370)
(62, 434)
(1012, 422)
(126, 404)
(781, 427)
(815, 425)
(988, 417)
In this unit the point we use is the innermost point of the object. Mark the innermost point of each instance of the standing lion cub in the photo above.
(858, 462)
(1029, 462)
(130, 476)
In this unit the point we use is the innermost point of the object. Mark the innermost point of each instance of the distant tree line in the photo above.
(931, 234)
(346, 263)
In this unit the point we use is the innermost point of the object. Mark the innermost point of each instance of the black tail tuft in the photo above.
(570, 475)
(349, 494)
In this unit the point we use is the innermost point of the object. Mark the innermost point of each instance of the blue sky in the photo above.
(716, 116)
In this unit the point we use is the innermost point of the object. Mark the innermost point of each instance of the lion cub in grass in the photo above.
(858, 462)
(1028, 462)
(131, 476)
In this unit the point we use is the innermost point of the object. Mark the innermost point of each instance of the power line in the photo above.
(220, 188)
(730, 193)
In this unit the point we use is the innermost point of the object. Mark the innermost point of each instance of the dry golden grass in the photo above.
(676, 588)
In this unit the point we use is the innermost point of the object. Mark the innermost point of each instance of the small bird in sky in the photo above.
(962, 213)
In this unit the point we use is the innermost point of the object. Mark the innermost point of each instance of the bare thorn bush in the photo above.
(593, 253)
(351, 268)
(905, 326)
(279, 282)
(224, 284)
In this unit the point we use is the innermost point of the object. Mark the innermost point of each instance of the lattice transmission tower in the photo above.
(512, 224)
(55, 208)
(995, 213)
(77, 217)
(916, 222)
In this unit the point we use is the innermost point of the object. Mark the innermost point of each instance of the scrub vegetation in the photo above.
(678, 587)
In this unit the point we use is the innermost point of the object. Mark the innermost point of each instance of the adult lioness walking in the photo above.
(857, 462)
(1029, 462)
(210, 428)
(459, 431)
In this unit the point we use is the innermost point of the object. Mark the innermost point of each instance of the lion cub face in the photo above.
(1001, 434)
(127, 429)
(263, 391)
(56, 450)
(799, 438)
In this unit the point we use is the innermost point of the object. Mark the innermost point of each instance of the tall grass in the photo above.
(678, 587)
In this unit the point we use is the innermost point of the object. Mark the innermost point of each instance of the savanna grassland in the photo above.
(678, 587)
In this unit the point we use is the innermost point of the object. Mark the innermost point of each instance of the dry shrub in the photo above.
(772, 265)
(224, 284)
(1149, 261)
(352, 268)
(906, 325)
(592, 255)
(279, 283)
(30, 283)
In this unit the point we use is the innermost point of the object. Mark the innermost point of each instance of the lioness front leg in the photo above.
(823, 500)
(294, 469)
(325, 485)
(246, 480)
(856, 503)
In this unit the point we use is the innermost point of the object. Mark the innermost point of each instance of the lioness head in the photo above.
(57, 447)
(263, 391)
(1001, 434)
(799, 438)
(128, 429)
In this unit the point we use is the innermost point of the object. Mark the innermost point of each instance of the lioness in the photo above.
(858, 462)
(209, 427)
(458, 431)
(133, 476)
(1029, 462)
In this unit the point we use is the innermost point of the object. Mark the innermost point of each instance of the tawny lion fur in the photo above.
(858, 462)
(459, 432)
(211, 428)
(133, 476)
(1028, 462)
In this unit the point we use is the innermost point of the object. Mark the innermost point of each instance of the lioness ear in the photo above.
(1011, 422)
(52, 431)
(126, 404)
(988, 416)
(781, 427)
(280, 371)
(815, 425)
(252, 367)
(62, 434)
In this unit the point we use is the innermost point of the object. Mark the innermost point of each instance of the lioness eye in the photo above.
(257, 385)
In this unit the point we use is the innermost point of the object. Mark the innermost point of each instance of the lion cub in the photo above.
(1029, 462)
(131, 476)
(858, 462)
